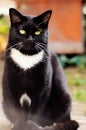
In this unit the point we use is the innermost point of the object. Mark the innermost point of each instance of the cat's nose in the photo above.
(30, 39)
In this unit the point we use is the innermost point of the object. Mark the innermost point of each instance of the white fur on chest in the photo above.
(25, 61)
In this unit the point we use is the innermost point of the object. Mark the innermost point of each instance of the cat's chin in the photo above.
(27, 51)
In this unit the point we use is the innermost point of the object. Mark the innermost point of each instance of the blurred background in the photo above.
(67, 37)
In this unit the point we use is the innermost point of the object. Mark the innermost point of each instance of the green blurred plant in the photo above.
(76, 80)
(4, 25)
(80, 95)
(79, 61)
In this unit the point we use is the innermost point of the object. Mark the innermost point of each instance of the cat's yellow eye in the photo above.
(21, 31)
(37, 33)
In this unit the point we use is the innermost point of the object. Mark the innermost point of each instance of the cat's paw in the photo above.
(70, 125)
(75, 125)
(67, 125)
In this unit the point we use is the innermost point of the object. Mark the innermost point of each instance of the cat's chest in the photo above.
(25, 61)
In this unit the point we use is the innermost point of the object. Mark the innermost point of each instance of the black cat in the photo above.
(34, 86)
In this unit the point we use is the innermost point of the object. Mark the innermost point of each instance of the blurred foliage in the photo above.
(4, 29)
(80, 96)
(76, 75)
(4, 25)
(76, 80)
(79, 61)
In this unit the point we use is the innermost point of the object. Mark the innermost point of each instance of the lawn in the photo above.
(76, 80)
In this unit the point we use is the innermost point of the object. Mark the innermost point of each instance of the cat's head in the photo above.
(29, 34)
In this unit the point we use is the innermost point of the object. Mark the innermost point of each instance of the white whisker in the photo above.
(12, 46)
(43, 44)
(39, 47)
(17, 45)
(36, 48)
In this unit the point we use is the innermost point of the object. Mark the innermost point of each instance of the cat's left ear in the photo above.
(44, 18)
(15, 16)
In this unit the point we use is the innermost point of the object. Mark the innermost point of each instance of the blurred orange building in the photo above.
(66, 32)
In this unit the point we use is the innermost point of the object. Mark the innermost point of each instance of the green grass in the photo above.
(79, 95)
(76, 80)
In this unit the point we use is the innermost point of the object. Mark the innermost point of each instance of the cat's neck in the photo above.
(26, 61)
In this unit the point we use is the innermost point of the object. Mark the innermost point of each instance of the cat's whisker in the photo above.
(18, 45)
(12, 46)
(43, 44)
(39, 47)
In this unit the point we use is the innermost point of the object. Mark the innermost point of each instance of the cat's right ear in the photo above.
(15, 16)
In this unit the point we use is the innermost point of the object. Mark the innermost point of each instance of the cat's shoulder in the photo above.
(54, 57)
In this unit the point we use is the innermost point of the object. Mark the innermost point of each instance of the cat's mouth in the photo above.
(31, 48)
(28, 49)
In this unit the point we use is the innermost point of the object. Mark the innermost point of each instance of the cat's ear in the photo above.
(46, 15)
(15, 16)
(44, 18)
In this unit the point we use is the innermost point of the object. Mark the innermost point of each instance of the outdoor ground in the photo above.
(78, 109)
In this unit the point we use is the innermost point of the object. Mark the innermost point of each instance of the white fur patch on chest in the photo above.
(26, 61)
(25, 97)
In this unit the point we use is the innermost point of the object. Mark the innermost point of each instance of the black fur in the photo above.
(30, 125)
(44, 84)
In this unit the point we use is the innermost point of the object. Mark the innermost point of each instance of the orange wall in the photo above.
(66, 21)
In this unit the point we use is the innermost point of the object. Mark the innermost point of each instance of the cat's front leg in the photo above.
(30, 125)
(68, 125)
